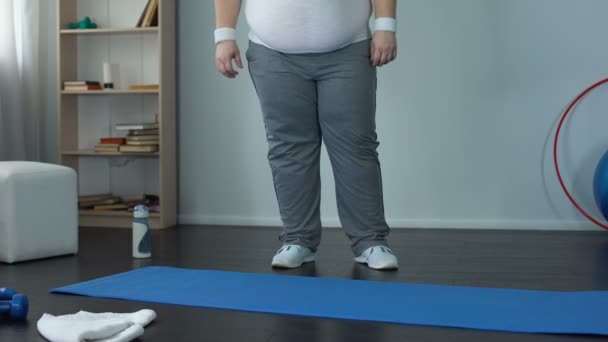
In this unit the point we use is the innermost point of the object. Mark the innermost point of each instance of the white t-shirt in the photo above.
(308, 26)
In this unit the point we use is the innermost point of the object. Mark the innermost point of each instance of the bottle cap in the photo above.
(140, 211)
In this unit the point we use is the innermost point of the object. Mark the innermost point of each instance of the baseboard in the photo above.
(401, 223)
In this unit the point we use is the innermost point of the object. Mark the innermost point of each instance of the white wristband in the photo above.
(224, 33)
(385, 24)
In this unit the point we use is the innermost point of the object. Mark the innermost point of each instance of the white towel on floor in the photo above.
(98, 327)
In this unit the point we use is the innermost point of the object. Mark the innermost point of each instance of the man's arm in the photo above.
(386, 8)
(226, 17)
(227, 13)
(384, 44)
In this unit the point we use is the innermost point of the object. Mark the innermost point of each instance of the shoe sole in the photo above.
(362, 260)
(308, 259)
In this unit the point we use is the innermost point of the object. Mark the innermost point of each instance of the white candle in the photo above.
(107, 76)
(111, 75)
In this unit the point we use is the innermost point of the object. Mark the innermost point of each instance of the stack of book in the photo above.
(141, 137)
(149, 200)
(109, 202)
(103, 202)
(109, 144)
(81, 85)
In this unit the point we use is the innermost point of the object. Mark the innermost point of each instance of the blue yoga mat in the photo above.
(510, 310)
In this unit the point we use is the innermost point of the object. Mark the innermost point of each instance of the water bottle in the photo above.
(142, 243)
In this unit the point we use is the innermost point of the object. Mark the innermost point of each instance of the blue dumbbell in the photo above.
(15, 308)
(6, 293)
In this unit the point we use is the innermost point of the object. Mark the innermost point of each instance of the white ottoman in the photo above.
(38, 211)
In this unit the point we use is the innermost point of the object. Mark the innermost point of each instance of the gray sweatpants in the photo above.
(306, 98)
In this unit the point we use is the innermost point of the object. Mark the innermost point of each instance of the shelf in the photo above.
(110, 92)
(111, 213)
(126, 30)
(143, 53)
(114, 219)
(92, 153)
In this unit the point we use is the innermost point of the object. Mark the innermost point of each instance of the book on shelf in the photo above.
(110, 207)
(133, 198)
(134, 142)
(140, 137)
(107, 147)
(149, 200)
(117, 141)
(142, 15)
(142, 143)
(146, 132)
(143, 137)
(109, 144)
(144, 87)
(110, 202)
(94, 197)
(136, 126)
(149, 16)
(81, 85)
(144, 148)
(82, 88)
(89, 202)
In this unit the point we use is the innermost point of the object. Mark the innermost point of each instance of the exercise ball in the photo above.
(600, 185)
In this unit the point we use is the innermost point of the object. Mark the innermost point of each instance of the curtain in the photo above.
(21, 86)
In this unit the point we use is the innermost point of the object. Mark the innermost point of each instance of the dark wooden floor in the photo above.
(518, 259)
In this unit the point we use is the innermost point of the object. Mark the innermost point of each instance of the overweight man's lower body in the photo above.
(310, 98)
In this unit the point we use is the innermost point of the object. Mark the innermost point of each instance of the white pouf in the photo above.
(38, 211)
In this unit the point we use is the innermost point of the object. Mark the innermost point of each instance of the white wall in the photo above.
(464, 117)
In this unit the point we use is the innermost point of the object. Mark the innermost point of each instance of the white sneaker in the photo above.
(378, 257)
(292, 256)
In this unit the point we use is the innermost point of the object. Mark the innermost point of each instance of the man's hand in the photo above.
(384, 48)
(225, 52)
